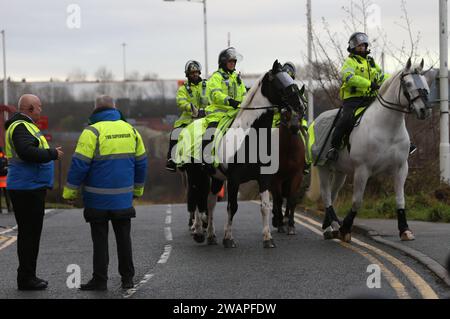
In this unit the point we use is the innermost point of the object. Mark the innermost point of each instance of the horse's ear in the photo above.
(408, 64)
(276, 66)
(302, 90)
(422, 64)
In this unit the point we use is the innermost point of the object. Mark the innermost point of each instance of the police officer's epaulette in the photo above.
(371, 61)
(223, 74)
(203, 83)
(239, 80)
(188, 88)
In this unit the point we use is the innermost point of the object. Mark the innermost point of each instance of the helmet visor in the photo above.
(358, 39)
(232, 54)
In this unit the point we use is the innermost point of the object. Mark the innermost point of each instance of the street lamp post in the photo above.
(124, 63)
(204, 30)
(5, 80)
(310, 65)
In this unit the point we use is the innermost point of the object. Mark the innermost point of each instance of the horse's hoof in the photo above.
(229, 243)
(212, 240)
(269, 243)
(199, 238)
(345, 237)
(327, 235)
(407, 235)
(281, 230)
(291, 230)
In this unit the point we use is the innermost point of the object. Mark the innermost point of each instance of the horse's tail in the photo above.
(313, 192)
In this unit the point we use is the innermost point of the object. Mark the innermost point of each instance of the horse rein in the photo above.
(391, 106)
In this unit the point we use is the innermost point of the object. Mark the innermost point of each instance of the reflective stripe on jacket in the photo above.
(357, 75)
(110, 162)
(187, 94)
(25, 175)
(223, 86)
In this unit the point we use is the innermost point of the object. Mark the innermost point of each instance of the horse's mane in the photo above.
(386, 84)
(253, 99)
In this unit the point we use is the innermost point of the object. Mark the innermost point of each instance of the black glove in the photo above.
(201, 113)
(234, 103)
(374, 86)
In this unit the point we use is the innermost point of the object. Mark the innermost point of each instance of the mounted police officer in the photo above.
(192, 99)
(110, 162)
(227, 91)
(361, 79)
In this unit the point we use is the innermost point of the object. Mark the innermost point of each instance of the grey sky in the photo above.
(162, 36)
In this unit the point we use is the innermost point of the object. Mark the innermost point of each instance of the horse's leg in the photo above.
(216, 185)
(191, 205)
(399, 178)
(359, 185)
(277, 219)
(233, 188)
(330, 221)
(264, 182)
(336, 185)
(295, 183)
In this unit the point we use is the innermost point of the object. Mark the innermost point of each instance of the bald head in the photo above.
(30, 105)
(104, 101)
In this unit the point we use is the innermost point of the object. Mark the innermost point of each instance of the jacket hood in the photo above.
(17, 117)
(105, 114)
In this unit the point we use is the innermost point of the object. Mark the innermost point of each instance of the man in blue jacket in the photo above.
(110, 162)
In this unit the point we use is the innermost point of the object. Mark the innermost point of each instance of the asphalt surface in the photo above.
(170, 265)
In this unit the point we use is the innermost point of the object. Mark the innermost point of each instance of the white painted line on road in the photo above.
(132, 291)
(398, 287)
(8, 242)
(15, 227)
(168, 219)
(166, 254)
(8, 230)
(168, 233)
(169, 209)
(425, 290)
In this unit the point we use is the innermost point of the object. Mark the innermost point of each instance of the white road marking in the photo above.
(10, 241)
(166, 254)
(162, 260)
(132, 291)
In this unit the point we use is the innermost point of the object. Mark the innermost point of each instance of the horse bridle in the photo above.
(423, 94)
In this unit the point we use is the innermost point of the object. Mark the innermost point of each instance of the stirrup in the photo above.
(333, 154)
(412, 149)
(171, 166)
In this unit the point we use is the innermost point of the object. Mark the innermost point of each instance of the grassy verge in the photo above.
(422, 207)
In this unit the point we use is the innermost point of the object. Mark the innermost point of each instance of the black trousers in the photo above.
(346, 122)
(206, 141)
(99, 233)
(29, 210)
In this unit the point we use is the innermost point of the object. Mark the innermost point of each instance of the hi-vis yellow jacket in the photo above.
(110, 162)
(357, 75)
(191, 94)
(223, 86)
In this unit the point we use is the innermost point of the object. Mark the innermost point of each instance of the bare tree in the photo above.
(76, 75)
(103, 74)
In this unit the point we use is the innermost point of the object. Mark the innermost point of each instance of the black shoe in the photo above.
(32, 284)
(93, 285)
(127, 283)
(42, 280)
(412, 149)
(171, 166)
(333, 154)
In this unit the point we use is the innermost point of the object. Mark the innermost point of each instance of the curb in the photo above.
(428, 262)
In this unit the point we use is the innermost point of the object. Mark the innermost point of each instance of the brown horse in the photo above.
(287, 181)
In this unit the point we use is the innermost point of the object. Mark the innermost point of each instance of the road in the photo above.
(170, 265)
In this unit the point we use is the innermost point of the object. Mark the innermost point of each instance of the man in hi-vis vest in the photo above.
(110, 164)
(30, 174)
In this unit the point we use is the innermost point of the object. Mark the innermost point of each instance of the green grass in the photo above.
(422, 207)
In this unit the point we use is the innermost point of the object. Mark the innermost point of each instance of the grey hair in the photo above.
(104, 101)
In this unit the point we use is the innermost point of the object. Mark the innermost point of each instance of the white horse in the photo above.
(380, 143)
